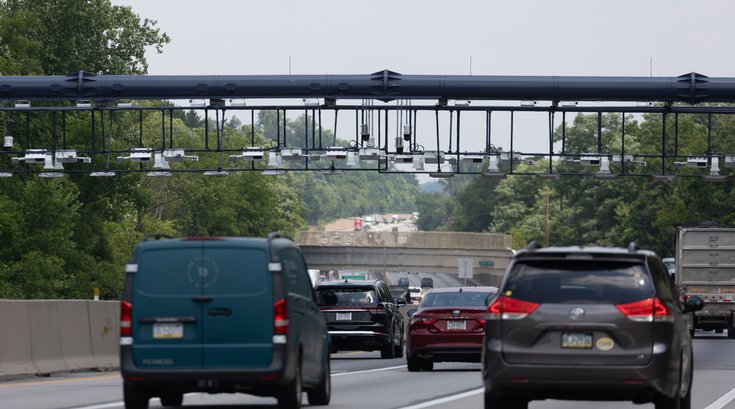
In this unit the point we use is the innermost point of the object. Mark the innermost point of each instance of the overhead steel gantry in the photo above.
(390, 105)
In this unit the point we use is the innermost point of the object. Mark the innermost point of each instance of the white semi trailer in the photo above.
(705, 267)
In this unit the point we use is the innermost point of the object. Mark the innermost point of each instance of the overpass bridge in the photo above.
(424, 252)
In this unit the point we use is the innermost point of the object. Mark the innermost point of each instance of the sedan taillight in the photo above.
(507, 308)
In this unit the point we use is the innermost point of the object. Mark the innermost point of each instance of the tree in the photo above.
(65, 36)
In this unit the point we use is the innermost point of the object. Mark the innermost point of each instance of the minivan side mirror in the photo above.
(693, 303)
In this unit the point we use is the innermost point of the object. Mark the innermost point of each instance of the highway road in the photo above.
(363, 380)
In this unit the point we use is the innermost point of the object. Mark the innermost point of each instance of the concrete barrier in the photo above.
(76, 345)
(104, 317)
(46, 341)
(41, 337)
(16, 357)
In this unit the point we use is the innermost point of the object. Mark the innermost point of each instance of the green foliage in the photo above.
(434, 210)
(65, 36)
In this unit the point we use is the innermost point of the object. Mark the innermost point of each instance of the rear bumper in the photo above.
(359, 340)
(465, 347)
(281, 370)
(636, 383)
(447, 353)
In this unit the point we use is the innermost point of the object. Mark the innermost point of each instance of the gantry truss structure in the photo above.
(105, 125)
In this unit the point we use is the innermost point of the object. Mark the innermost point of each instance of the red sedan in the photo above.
(448, 326)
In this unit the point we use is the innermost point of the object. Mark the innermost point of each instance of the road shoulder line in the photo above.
(445, 399)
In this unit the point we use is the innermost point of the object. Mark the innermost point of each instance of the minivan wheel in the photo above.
(289, 397)
(136, 397)
(172, 399)
(494, 402)
(322, 393)
(665, 402)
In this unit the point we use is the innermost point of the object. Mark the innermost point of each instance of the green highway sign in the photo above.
(486, 263)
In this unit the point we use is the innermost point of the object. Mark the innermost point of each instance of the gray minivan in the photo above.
(587, 323)
(216, 314)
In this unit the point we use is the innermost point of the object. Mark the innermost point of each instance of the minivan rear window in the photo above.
(579, 282)
(220, 271)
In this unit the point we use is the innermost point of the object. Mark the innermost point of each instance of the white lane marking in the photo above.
(119, 404)
(103, 406)
(389, 368)
(446, 399)
(723, 401)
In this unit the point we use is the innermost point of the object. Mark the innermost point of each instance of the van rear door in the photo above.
(238, 320)
(167, 318)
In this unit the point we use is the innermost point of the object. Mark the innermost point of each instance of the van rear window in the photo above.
(218, 271)
(579, 282)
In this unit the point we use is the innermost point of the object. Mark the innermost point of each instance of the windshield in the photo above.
(346, 296)
(455, 299)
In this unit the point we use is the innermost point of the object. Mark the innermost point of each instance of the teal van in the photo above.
(221, 315)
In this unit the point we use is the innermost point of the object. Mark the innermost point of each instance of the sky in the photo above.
(512, 37)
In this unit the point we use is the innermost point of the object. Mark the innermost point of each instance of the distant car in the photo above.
(448, 327)
(221, 315)
(588, 323)
(403, 281)
(670, 264)
(427, 282)
(362, 316)
(417, 294)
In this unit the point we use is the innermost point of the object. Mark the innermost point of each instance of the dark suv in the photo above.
(587, 324)
(211, 314)
(362, 316)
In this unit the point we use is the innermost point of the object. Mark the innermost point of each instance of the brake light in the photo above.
(646, 310)
(507, 308)
(280, 317)
(423, 321)
(126, 319)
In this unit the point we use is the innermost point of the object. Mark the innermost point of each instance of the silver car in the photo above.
(587, 323)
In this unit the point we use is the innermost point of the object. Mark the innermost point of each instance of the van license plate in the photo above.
(576, 340)
(344, 316)
(168, 330)
(456, 325)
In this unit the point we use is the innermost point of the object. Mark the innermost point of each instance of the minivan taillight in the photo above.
(510, 308)
(280, 317)
(126, 319)
(645, 310)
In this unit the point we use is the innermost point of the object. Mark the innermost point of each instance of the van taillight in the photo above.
(510, 308)
(645, 310)
(280, 317)
(126, 319)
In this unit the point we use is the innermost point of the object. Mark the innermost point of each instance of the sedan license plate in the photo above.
(344, 316)
(576, 340)
(456, 325)
(168, 330)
